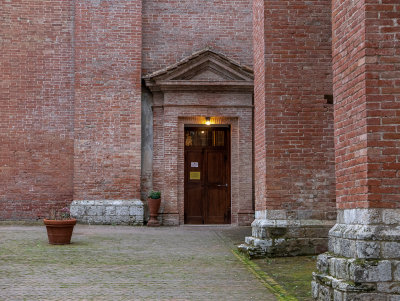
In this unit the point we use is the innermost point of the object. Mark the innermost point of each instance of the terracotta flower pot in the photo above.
(59, 232)
(154, 206)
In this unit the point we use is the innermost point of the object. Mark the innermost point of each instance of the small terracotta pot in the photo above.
(59, 232)
(154, 206)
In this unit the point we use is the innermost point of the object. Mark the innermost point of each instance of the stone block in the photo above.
(346, 247)
(370, 271)
(263, 243)
(389, 287)
(368, 249)
(94, 210)
(276, 232)
(341, 268)
(323, 261)
(391, 250)
(364, 297)
(390, 233)
(110, 210)
(337, 296)
(396, 270)
(362, 216)
(314, 289)
(391, 217)
(122, 210)
(394, 298)
(134, 211)
(325, 293)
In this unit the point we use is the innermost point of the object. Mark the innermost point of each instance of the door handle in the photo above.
(222, 185)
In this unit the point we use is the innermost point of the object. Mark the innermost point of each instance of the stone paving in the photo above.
(126, 263)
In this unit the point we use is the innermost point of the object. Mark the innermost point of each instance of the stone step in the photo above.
(250, 250)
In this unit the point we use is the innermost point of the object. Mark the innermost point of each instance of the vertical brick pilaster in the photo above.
(259, 104)
(366, 65)
(294, 150)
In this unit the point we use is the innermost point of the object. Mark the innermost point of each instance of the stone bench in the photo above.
(108, 212)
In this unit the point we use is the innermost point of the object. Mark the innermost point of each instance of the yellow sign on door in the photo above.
(194, 175)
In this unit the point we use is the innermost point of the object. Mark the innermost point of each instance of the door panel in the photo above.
(216, 172)
(216, 206)
(193, 184)
(207, 176)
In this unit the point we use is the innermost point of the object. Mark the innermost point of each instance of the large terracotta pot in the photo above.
(59, 232)
(154, 206)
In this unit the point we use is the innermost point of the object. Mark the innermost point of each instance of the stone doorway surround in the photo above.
(205, 84)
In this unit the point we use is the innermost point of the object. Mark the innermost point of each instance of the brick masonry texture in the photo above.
(107, 100)
(364, 243)
(294, 148)
(69, 70)
(366, 66)
(175, 29)
(36, 107)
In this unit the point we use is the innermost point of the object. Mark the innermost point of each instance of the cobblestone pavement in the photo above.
(126, 263)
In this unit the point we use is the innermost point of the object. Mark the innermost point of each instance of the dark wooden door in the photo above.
(207, 175)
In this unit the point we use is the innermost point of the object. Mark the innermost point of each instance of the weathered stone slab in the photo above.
(107, 212)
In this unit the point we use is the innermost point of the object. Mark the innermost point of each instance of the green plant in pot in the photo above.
(154, 201)
(59, 226)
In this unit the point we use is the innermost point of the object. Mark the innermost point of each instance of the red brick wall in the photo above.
(366, 68)
(36, 107)
(107, 99)
(299, 154)
(174, 29)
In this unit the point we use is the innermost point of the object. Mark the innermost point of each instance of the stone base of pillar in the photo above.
(286, 237)
(363, 262)
(108, 212)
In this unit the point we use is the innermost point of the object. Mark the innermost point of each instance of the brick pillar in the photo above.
(294, 149)
(107, 151)
(363, 260)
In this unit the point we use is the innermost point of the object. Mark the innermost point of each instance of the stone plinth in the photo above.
(275, 234)
(107, 212)
(363, 261)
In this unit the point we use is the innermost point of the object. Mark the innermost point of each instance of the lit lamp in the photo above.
(208, 120)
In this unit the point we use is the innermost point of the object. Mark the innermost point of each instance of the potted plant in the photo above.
(154, 201)
(59, 226)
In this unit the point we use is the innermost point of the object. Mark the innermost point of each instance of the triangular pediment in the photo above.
(201, 69)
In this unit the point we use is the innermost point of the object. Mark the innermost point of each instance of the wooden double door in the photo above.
(207, 175)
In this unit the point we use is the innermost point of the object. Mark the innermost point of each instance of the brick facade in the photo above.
(294, 149)
(107, 100)
(363, 259)
(36, 107)
(366, 61)
(299, 164)
(173, 30)
(71, 111)
(70, 104)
